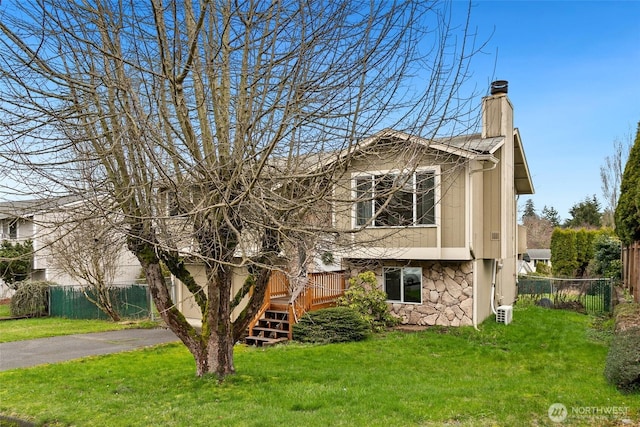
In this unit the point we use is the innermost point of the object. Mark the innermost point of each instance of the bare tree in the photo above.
(611, 175)
(539, 231)
(218, 129)
(89, 251)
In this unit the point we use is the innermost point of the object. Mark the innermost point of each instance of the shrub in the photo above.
(368, 301)
(15, 262)
(329, 325)
(543, 269)
(622, 367)
(31, 299)
(606, 260)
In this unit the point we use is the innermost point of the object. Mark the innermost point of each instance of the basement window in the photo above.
(403, 284)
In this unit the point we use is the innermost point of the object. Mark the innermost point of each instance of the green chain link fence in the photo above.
(595, 295)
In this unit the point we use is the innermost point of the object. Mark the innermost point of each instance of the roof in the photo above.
(539, 253)
(471, 146)
(522, 176)
(26, 208)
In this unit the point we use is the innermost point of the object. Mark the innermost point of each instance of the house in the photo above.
(44, 222)
(533, 257)
(435, 220)
(445, 246)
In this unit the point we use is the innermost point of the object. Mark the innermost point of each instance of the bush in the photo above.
(31, 299)
(329, 325)
(368, 301)
(622, 367)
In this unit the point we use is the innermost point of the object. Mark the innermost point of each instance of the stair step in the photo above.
(274, 321)
(262, 341)
(263, 329)
(276, 313)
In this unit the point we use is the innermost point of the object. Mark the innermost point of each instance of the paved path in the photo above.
(21, 354)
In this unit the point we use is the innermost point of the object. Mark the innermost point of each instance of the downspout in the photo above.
(475, 294)
(496, 266)
(493, 286)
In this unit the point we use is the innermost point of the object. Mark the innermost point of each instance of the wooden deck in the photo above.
(284, 305)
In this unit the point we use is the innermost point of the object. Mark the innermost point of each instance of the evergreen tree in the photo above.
(627, 215)
(585, 214)
(529, 210)
(551, 215)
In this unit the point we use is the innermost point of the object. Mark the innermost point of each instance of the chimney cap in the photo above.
(499, 86)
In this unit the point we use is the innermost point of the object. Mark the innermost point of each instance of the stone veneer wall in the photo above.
(447, 296)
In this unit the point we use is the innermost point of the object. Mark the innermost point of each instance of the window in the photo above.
(395, 200)
(403, 284)
(13, 230)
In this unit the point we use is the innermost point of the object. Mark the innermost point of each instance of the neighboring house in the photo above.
(39, 221)
(524, 268)
(534, 257)
(444, 247)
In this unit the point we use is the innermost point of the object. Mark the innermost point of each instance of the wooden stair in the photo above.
(272, 328)
(274, 320)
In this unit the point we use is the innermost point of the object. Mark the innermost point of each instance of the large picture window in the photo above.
(395, 199)
(403, 284)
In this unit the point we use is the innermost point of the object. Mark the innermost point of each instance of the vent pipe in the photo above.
(499, 86)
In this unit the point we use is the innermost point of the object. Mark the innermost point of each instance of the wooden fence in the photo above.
(631, 269)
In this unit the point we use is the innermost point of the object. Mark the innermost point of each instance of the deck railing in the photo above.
(321, 290)
(316, 291)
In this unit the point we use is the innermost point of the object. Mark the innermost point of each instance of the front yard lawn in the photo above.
(500, 375)
(44, 327)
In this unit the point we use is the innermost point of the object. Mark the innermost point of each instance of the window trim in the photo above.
(402, 269)
(435, 170)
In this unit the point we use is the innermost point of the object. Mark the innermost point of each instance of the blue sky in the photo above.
(574, 80)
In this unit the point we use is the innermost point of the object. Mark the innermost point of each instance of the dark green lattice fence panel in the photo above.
(69, 301)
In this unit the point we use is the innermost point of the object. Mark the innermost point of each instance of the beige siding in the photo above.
(477, 212)
(492, 213)
(500, 210)
(522, 239)
(450, 230)
(186, 302)
(453, 207)
(483, 271)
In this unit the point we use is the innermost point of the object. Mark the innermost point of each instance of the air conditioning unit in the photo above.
(504, 314)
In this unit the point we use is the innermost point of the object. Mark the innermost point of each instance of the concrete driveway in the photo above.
(21, 354)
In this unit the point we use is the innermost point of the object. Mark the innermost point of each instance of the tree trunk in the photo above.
(218, 321)
(175, 320)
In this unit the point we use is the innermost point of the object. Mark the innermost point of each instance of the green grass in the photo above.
(5, 310)
(500, 375)
(43, 327)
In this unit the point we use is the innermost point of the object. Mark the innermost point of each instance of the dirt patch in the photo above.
(571, 305)
(627, 316)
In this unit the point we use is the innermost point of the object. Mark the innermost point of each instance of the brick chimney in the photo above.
(497, 111)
